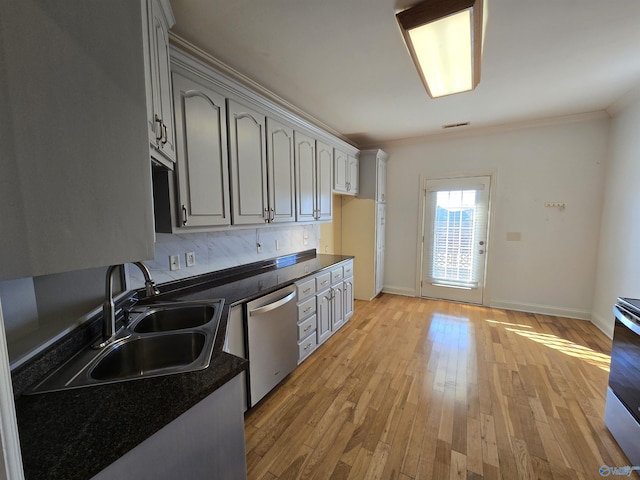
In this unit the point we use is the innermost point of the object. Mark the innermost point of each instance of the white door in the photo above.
(456, 216)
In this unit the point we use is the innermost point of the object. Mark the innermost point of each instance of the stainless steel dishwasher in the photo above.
(272, 340)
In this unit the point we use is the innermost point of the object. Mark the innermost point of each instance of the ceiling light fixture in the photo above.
(445, 38)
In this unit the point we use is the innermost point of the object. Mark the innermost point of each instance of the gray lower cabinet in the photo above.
(325, 303)
(205, 442)
(307, 319)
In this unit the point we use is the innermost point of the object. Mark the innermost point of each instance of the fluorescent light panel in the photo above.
(445, 44)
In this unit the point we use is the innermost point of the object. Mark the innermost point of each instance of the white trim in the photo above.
(542, 309)
(493, 187)
(472, 131)
(603, 325)
(192, 58)
(405, 292)
(629, 98)
(11, 461)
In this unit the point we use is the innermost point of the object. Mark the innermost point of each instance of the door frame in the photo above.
(493, 174)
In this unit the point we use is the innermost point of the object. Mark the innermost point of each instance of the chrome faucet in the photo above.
(109, 309)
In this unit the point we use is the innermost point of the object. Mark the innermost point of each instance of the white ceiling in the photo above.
(344, 61)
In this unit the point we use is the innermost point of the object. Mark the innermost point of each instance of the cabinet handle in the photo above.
(272, 214)
(307, 329)
(306, 290)
(184, 215)
(324, 283)
(307, 346)
(348, 186)
(158, 120)
(265, 215)
(166, 135)
(306, 310)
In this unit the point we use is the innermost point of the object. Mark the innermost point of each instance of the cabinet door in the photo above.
(380, 245)
(248, 164)
(381, 179)
(305, 157)
(337, 299)
(340, 172)
(324, 168)
(347, 295)
(323, 312)
(162, 115)
(202, 167)
(354, 172)
(280, 158)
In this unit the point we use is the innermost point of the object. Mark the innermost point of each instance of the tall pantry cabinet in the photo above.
(363, 224)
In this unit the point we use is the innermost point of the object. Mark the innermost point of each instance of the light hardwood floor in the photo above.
(422, 389)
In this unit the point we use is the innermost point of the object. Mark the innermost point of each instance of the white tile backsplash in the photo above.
(218, 250)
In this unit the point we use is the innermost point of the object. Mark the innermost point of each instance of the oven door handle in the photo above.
(627, 319)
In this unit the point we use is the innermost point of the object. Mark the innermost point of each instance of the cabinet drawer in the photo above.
(307, 327)
(323, 281)
(306, 347)
(306, 289)
(306, 308)
(348, 269)
(336, 275)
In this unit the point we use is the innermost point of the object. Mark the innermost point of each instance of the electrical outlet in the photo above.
(190, 259)
(305, 239)
(174, 262)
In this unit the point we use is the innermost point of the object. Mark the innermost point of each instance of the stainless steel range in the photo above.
(622, 412)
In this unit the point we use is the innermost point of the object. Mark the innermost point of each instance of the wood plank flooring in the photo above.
(422, 389)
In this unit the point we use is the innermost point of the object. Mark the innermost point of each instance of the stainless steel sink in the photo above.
(139, 356)
(172, 317)
(160, 339)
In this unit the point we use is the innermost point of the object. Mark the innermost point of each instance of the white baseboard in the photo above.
(543, 309)
(407, 292)
(605, 326)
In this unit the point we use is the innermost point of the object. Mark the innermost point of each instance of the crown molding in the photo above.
(491, 129)
(250, 89)
(629, 98)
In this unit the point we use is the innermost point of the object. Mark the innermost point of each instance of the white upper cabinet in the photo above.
(75, 187)
(340, 171)
(314, 178)
(353, 174)
(281, 163)
(305, 156)
(160, 115)
(345, 173)
(324, 169)
(248, 165)
(262, 167)
(202, 160)
(373, 175)
(381, 188)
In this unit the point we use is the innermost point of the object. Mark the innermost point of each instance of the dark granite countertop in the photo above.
(74, 434)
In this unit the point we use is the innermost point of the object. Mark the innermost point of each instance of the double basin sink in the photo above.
(158, 339)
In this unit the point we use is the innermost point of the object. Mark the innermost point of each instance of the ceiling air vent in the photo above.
(456, 125)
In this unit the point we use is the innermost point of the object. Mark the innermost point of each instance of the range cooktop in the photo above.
(632, 304)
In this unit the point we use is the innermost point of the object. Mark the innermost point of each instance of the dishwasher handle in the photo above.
(272, 306)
